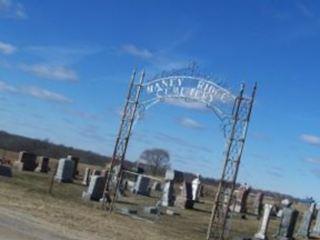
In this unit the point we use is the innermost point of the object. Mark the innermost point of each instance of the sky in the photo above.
(65, 68)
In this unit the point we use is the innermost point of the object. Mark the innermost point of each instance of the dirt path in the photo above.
(19, 226)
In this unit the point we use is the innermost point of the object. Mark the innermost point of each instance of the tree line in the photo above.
(18, 143)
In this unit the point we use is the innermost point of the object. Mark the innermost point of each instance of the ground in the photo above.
(28, 211)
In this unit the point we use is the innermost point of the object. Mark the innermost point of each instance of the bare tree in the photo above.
(158, 160)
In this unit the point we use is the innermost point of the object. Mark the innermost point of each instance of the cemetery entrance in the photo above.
(191, 86)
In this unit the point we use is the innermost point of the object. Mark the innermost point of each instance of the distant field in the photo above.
(27, 194)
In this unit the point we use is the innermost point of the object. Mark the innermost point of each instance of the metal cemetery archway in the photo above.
(189, 85)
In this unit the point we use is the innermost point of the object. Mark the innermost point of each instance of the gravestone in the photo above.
(76, 163)
(104, 173)
(168, 196)
(262, 233)
(196, 187)
(174, 175)
(184, 199)
(154, 210)
(129, 185)
(95, 188)
(86, 176)
(304, 228)
(316, 228)
(156, 186)
(28, 160)
(257, 204)
(65, 170)
(232, 199)
(279, 213)
(43, 165)
(287, 222)
(5, 171)
(201, 191)
(241, 199)
(142, 185)
(115, 171)
(96, 172)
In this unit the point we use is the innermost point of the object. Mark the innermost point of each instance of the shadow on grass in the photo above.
(201, 210)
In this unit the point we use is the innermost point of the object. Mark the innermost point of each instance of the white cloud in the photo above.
(7, 48)
(82, 114)
(305, 10)
(316, 172)
(310, 139)
(62, 55)
(181, 142)
(137, 52)
(35, 92)
(190, 105)
(190, 123)
(51, 72)
(313, 160)
(159, 60)
(4, 87)
(45, 94)
(12, 9)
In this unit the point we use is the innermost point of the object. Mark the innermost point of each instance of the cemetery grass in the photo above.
(27, 193)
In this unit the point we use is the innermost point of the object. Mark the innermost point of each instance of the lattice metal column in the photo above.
(120, 149)
(240, 119)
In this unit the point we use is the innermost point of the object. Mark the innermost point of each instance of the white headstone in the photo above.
(86, 176)
(241, 199)
(262, 233)
(196, 185)
(168, 197)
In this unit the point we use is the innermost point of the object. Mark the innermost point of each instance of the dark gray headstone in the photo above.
(5, 171)
(96, 172)
(287, 223)
(316, 228)
(95, 189)
(151, 210)
(156, 186)
(257, 204)
(304, 228)
(184, 199)
(65, 170)
(76, 163)
(28, 160)
(43, 164)
(142, 185)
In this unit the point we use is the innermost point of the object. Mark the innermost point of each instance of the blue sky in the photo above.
(65, 66)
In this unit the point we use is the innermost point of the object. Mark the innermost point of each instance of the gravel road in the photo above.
(20, 226)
